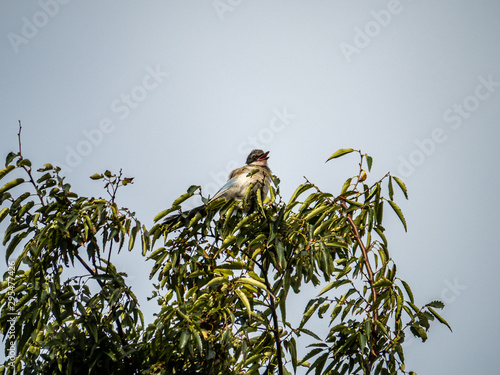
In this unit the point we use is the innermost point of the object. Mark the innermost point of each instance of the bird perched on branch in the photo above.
(256, 172)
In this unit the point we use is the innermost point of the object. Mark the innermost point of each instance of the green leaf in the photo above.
(4, 213)
(362, 341)
(25, 162)
(316, 212)
(382, 283)
(197, 339)
(301, 189)
(192, 189)
(391, 190)
(323, 308)
(381, 327)
(414, 307)
(319, 364)
(292, 348)
(252, 359)
(379, 209)
(13, 244)
(372, 193)
(381, 234)
(217, 281)
(164, 212)
(7, 169)
(15, 205)
(245, 220)
(145, 241)
(133, 233)
(181, 199)
(245, 301)
(369, 162)
(11, 184)
(310, 333)
(312, 353)
(195, 219)
(436, 304)
(280, 250)
(332, 285)
(46, 167)
(408, 291)
(419, 332)
(368, 328)
(282, 306)
(326, 224)
(96, 176)
(311, 198)
(25, 208)
(339, 153)
(439, 318)
(398, 212)
(313, 306)
(402, 186)
(228, 241)
(355, 203)
(93, 330)
(10, 156)
(160, 250)
(346, 186)
(399, 304)
(250, 281)
(185, 335)
(127, 180)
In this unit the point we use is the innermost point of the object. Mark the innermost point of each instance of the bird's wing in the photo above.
(237, 185)
(229, 184)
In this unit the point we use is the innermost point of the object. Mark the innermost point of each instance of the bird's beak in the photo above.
(264, 156)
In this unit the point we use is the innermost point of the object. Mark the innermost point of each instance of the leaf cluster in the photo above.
(223, 280)
(73, 311)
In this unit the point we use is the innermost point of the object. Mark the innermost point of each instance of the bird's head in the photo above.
(258, 157)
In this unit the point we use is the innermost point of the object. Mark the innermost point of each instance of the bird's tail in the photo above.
(185, 216)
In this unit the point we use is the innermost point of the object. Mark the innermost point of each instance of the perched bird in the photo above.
(256, 172)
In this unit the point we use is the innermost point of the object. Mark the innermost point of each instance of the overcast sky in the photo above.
(178, 92)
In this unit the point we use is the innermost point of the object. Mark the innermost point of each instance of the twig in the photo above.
(19, 137)
(93, 273)
(371, 279)
(276, 331)
(28, 170)
(85, 265)
(357, 236)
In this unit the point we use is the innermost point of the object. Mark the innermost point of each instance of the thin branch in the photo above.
(109, 255)
(373, 355)
(80, 259)
(101, 284)
(19, 137)
(114, 189)
(276, 331)
(357, 236)
(28, 170)
(358, 177)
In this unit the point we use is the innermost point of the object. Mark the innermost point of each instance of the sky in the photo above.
(176, 93)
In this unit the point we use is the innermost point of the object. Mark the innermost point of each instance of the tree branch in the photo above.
(101, 284)
(276, 330)
(357, 236)
(28, 170)
(371, 279)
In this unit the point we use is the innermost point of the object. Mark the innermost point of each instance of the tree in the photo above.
(222, 281)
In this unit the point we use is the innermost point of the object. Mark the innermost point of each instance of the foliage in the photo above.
(67, 324)
(223, 281)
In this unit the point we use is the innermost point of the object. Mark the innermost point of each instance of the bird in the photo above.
(255, 171)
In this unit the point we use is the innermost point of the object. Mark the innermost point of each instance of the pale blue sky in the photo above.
(177, 92)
